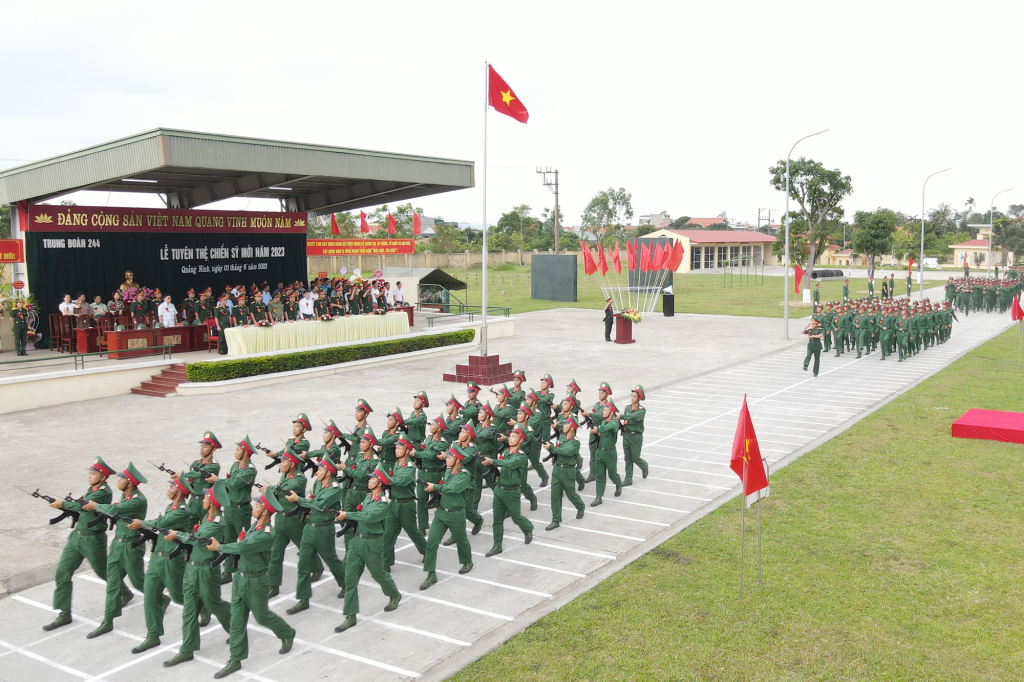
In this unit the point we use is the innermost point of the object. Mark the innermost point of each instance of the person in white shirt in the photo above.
(266, 295)
(399, 294)
(67, 307)
(389, 295)
(306, 307)
(167, 313)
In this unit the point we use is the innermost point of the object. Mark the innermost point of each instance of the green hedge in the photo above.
(250, 367)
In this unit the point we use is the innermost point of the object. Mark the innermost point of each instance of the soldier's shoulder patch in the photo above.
(266, 529)
(216, 519)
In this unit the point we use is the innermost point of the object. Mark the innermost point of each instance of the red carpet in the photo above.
(1007, 427)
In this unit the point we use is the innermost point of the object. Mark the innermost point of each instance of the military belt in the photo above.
(160, 552)
(199, 563)
(258, 574)
(369, 536)
(566, 466)
(321, 524)
(405, 499)
(452, 509)
(510, 487)
(127, 538)
(90, 533)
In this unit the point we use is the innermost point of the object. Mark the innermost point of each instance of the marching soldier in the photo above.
(240, 480)
(389, 438)
(363, 410)
(249, 592)
(163, 572)
(416, 422)
(540, 427)
(358, 476)
(450, 516)
(297, 443)
(523, 415)
(206, 464)
(604, 393)
(287, 528)
(84, 541)
(633, 434)
(123, 559)
(431, 459)
(367, 549)
(813, 331)
(19, 318)
(566, 452)
(608, 433)
(517, 394)
(546, 398)
(512, 465)
(569, 409)
(472, 407)
(200, 584)
(331, 449)
(401, 510)
(318, 534)
(471, 465)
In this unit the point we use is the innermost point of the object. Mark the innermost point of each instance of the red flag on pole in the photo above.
(589, 267)
(630, 255)
(334, 225)
(502, 99)
(602, 264)
(616, 263)
(910, 265)
(799, 276)
(965, 259)
(391, 224)
(1016, 312)
(746, 455)
(645, 257)
(663, 254)
(677, 257)
(417, 223)
(364, 226)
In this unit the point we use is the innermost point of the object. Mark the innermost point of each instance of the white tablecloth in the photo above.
(288, 335)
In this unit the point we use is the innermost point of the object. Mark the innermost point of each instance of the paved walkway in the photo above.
(433, 633)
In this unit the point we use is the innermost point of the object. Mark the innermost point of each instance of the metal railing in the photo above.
(744, 268)
(165, 354)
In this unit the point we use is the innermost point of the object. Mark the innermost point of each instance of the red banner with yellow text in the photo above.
(359, 247)
(45, 218)
(12, 251)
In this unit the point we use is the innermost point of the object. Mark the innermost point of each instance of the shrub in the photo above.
(270, 364)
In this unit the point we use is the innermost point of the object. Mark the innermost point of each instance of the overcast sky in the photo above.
(686, 105)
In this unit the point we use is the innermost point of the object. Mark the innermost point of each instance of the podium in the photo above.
(623, 329)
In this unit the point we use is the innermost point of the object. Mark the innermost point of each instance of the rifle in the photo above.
(433, 499)
(64, 513)
(152, 535)
(163, 468)
(401, 427)
(551, 454)
(274, 460)
(102, 516)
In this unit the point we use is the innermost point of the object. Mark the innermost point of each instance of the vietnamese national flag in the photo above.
(503, 99)
(616, 263)
(965, 259)
(645, 257)
(676, 259)
(798, 273)
(630, 255)
(746, 455)
(1016, 312)
(391, 224)
(364, 226)
(334, 225)
(417, 223)
(910, 265)
(602, 264)
(589, 267)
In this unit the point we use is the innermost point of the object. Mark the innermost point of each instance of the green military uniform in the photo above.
(225, 320)
(322, 307)
(633, 438)
(367, 550)
(402, 510)
(540, 426)
(291, 311)
(609, 319)
(237, 508)
(507, 501)
(84, 542)
(449, 516)
(163, 572)
(19, 319)
(123, 559)
(608, 434)
(902, 337)
(846, 290)
(813, 348)
(250, 589)
(567, 456)
(139, 310)
(885, 335)
(288, 528)
(259, 311)
(276, 309)
(431, 469)
(318, 538)
(595, 418)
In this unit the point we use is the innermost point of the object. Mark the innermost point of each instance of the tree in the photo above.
(447, 238)
(943, 218)
(514, 229)
(607, 211)
(320, 226)
(403, 220)
(5, 221)
(818, 192)
(904, 243)
(678, 223)
(873, 234)
(1007, 235)
(797, 241)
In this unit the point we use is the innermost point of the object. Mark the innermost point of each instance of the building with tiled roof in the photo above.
(714, 249)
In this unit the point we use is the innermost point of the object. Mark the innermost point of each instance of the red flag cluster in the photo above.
(746, 455)
(643, 257)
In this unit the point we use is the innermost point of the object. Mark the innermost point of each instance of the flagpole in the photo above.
(743, 517)
(483, 230)
(767, 476)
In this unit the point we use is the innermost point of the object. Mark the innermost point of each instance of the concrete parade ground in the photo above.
(696, 370)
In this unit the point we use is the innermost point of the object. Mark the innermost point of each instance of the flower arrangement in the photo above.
(263, 322)
(129, 294)
(633, 315)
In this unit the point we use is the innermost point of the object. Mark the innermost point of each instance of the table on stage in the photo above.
(87, 339)
(289, 335)
(125, 344)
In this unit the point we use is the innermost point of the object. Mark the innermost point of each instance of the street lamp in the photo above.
(920, 264)
(991, 214)
(785, 300)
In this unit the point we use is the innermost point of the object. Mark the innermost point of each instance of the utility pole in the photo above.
(553, 186)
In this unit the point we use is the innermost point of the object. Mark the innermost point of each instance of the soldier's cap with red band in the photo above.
(611, 405)
(519, 373)
(519, 432)
(368, 435)
(211, 439)
(219, 493)
(422, 395)
(572, 401)
(268, 498)
(327, 464)
(407, 444)
(397, 414)
(102, 467)
(550, 382)
(526, 409)
(190, 291)
(180, 485)
(455, 401)
(247, 445)
(505, 390)
(639, 390)
(133, 475)
(304, 420)
(574, 386)
(333, 428)
(473, 386)
(457, 452)
(364, 406)
(605, 387)
(572, 422)
(192, 480)
(532, 395)
(291, 456)
(467, 427)
(486, 407)
(440, 420)
(382, 475)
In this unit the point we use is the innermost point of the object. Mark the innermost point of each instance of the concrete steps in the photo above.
(164, 384)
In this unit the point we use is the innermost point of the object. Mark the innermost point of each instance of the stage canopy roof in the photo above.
(192, 169)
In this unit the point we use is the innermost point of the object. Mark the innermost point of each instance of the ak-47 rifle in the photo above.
(433, 498)
(102, 516)
(162, 467)
(64, 513)
(274, 460)
(152, 535)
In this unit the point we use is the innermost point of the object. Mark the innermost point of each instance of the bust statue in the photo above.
(129, 281)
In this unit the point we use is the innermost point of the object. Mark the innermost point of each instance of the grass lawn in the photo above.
(892, 552)
(510, 286)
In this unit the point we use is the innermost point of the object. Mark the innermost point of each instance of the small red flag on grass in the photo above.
(746, 455)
